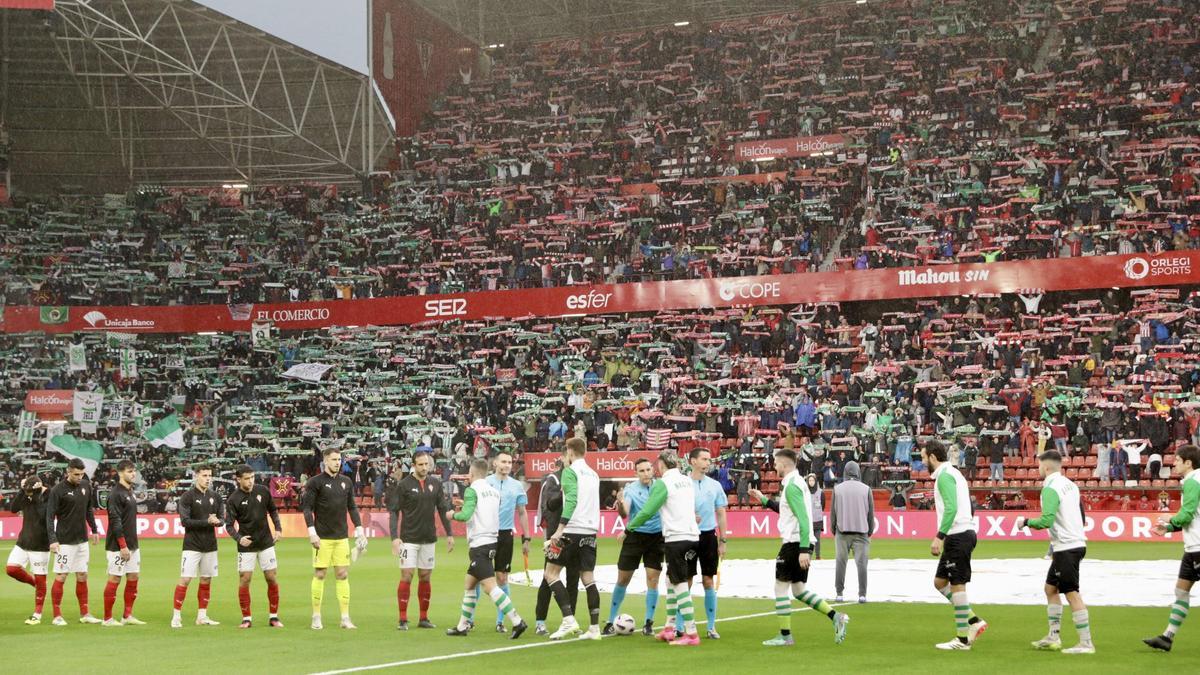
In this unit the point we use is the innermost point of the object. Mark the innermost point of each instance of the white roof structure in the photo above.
(105, 94)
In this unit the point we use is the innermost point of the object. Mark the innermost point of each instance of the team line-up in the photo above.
(673, 518)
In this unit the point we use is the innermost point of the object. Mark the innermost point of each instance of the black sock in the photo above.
(560, 596)
(593, 600)
(543, 601)
(785, 632)
(831, 614)
(962, 640)
(972, 621)
(573, 587)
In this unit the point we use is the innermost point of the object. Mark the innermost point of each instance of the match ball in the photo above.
(624, 625)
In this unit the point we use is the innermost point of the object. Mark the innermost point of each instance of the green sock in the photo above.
(783, 610)
(962, 614)
(816, 602)
(948, 594)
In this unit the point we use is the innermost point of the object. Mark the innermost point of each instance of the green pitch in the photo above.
(882, 636)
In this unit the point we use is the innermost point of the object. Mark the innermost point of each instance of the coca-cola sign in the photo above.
(800, 146)
(49, 400)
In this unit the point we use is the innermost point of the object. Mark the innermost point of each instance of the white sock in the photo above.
(177, 615)
(1054, 616)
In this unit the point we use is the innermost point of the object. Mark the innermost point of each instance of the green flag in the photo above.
(54, 315)
(70, 447)
(26, 426)
(166, 432)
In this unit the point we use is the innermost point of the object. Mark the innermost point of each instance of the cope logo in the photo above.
(445, 307)
(748, 290)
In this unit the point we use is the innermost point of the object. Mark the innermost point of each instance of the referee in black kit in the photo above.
(550, 506)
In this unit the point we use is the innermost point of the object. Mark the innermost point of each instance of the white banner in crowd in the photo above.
(86, 410)
(308, 372)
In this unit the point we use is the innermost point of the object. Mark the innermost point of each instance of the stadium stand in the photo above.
(974, 132)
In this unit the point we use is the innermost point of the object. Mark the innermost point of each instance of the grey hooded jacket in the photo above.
(852, 509)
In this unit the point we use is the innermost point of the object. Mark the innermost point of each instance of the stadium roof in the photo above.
(108, 93)
(501, 21)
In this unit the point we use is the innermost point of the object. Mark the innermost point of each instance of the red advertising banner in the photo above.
(1063, 274)
(801, 146)
(991, 525)
(27, 4)
(415, 57)
(605, 464)
(50, 400)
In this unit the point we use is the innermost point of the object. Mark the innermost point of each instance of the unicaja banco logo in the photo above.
(1137, 268)
(94, 318)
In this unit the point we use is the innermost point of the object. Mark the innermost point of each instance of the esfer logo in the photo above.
(445, 307)
(589, 300)
(748, 290)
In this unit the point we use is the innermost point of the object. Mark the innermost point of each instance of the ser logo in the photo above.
(446, 307)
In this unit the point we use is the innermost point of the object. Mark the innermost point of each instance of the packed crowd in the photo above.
(1107, 375)
(972, 132)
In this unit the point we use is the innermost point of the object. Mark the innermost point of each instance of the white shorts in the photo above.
(119, 568)
(72, 559)
(264, 558)
(38, 561)
(419, 556)
(197, 564)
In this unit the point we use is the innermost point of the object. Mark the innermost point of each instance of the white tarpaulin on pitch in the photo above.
(1128, 583)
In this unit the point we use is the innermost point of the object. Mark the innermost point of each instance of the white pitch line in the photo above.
(534, 645)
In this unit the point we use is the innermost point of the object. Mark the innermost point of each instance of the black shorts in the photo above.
(681, 560)
(955, 563)
(576, 551)
(1189, 567)
(482, 564)
(504, 551)
(1064, 570)
(710, 558)
(641, 548)
(787, 564)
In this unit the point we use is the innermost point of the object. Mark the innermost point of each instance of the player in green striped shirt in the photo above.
(1187, 460)
(1062, 514)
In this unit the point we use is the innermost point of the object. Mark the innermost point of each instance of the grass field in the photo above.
(882, 636)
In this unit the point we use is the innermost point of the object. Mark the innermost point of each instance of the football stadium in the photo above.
(344, 336)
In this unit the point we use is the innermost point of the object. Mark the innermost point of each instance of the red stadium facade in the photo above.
(415, 55)
(1069, 274)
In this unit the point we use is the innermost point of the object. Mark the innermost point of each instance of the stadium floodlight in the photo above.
(234, 186)
(860, 2)
(682, 23)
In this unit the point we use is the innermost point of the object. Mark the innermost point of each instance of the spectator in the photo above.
(852, 517)
(817, 495)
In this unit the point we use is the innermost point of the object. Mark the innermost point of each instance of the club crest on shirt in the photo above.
(210, 501)
(259, 498)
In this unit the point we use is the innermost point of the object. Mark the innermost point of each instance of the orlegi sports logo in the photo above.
(99, 321)
(748, 290)
(1170, 266)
